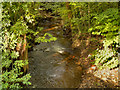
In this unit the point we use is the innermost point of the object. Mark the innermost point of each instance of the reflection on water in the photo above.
(48, 70)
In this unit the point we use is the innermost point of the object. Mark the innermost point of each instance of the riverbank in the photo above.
(93, 77)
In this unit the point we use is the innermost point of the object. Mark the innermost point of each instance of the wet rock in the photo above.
(47, 50)
(34, 49)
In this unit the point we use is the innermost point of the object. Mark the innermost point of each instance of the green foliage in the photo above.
(20, 18)
(106, 24)
(44, 39)
(11, 78)
(106, 58)
(19, 28)
(16, 18)
(98, 18)
(11, 67)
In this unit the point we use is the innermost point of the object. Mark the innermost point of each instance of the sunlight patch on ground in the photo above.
(107, 75)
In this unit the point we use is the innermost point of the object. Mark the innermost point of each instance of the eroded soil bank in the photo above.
(93, 77)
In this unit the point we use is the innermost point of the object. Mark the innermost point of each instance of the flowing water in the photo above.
(50, 65)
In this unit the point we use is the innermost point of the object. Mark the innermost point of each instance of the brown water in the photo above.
(48, 67)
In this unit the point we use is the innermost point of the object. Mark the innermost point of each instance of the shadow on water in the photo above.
(50, 66)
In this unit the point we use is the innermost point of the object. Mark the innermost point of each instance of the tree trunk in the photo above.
(69, 29)
(89, 17)
(23, 51)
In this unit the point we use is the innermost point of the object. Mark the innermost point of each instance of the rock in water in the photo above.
(47, 50)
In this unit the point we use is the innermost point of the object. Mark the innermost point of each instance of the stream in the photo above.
(51, 64)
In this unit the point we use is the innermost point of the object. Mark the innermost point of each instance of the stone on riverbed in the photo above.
(47, 50)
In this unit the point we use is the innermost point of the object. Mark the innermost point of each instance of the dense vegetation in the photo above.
(20, 26)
